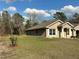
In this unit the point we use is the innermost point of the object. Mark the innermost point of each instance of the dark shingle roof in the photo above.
(42, 25)
(74, 23)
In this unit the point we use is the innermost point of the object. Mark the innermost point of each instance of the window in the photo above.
(52, 32)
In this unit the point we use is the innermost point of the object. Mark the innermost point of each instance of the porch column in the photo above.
(47, 32)
(62, 33)
(74, 32)
(70, 33)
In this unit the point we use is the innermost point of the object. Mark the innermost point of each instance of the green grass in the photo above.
(43, 48)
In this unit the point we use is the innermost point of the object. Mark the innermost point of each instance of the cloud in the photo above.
(36, 12)
(70, 9)
(25, 17)
(0, 12)
(11, 8)
(52, 12)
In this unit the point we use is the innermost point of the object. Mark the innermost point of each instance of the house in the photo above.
(76, 30)
(55, 28)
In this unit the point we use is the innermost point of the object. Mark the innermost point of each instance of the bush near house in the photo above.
(13, 41)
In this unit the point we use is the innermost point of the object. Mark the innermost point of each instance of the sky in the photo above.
(40, 7)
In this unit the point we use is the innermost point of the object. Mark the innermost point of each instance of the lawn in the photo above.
(30, 47)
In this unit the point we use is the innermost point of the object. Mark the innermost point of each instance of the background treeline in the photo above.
(15, 24)
(11, 24)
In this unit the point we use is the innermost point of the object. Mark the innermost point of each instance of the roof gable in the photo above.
(55, 23)
(68, 24)
(76, 27)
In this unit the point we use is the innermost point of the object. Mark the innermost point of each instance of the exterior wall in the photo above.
(75, 33)
(63, 34)
(53, 26)
(77, 27)
(45, 32)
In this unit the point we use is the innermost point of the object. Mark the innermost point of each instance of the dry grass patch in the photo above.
(30, 47)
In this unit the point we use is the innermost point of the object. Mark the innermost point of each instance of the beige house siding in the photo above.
(66, 25)
(63, 34)
(75, 33)
(45, 30)
(53, 26)
(77, 27)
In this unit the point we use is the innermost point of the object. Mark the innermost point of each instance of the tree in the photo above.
(33, 18)
(32, 21)
(28, 24)
(1, 26)
(60, 15)
(75, 18)
(44, 21)
(36, 23)
(6, 22)
(17, 20)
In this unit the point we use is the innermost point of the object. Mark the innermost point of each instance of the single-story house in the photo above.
(55, 28)
(76, 30)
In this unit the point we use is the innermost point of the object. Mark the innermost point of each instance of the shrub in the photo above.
(13, 41)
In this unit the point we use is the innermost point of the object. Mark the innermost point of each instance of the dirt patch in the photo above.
(6, 51)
